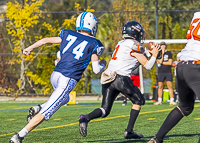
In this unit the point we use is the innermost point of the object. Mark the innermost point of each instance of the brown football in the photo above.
(151, 45)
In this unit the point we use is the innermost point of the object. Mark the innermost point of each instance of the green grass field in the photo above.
(63, 125)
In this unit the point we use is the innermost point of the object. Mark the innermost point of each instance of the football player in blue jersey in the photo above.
(77, 50)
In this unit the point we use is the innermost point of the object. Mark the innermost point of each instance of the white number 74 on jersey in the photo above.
(78, 50)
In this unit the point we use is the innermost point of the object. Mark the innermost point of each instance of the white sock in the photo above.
(172, 99)
(23, 132)
(159, 99)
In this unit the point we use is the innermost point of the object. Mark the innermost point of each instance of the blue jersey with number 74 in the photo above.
(76, 50)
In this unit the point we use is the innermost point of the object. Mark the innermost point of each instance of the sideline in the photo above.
(96, 120)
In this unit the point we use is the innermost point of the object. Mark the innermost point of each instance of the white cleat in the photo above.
(172, 103)
(154, 140)
(158, 103)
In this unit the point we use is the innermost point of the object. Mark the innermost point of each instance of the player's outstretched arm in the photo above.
(148, 64)
(41, 42)
(96, 66)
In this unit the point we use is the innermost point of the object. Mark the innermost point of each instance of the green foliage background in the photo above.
(171, 25)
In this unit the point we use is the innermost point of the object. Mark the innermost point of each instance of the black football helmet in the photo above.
(133, 29)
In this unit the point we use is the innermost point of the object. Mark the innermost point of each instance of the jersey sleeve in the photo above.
(98, 48)
(137, 47)
(61, 34)
(170, 55)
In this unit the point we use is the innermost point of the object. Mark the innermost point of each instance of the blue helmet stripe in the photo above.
(82, 19)
(82, 28)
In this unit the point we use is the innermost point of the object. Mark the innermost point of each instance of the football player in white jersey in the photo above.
(116, 78)
(77, 49)
(188, 77)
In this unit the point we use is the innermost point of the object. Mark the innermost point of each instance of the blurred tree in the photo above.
(70, 5)
(7, 80)
(110, 26)
(20, 25)
(109, 31)
(20, 19)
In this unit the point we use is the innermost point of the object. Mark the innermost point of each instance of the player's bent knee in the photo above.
(46, 116)
(140, 101)
(186, 113)
(186, 110)
(105, 112)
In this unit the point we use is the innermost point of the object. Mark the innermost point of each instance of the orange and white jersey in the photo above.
(122, 62)
(192, 49)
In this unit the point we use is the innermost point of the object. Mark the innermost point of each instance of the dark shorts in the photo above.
(188, 76)
(164, 76)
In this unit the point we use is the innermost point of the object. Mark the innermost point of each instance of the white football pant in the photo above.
(62, 87)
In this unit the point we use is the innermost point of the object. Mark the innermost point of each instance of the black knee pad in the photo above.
(105, 115)
(186, 110)
(140, 100)
(105, 112)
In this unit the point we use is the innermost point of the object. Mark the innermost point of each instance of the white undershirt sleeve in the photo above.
(96, 67)
(149, 64)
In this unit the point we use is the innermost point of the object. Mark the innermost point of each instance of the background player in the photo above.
(165, 73)
(77, 50)
(128, 53)
(188, 76)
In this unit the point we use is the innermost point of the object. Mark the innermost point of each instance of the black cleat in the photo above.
(132, 135)
(124, 102)
(33, 111)
(16, 139)
(83, 125)
(154, 140)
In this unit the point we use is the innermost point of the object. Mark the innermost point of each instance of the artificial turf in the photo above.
(63, 125)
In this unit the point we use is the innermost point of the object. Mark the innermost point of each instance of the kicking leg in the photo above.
(133, 93)
(172, 119)
(36, 120)
(55, 101)
(107, 102)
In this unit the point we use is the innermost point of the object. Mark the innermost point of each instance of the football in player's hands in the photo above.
(103, 62)
(151, 46)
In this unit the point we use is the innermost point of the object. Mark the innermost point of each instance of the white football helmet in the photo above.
(87, 21)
